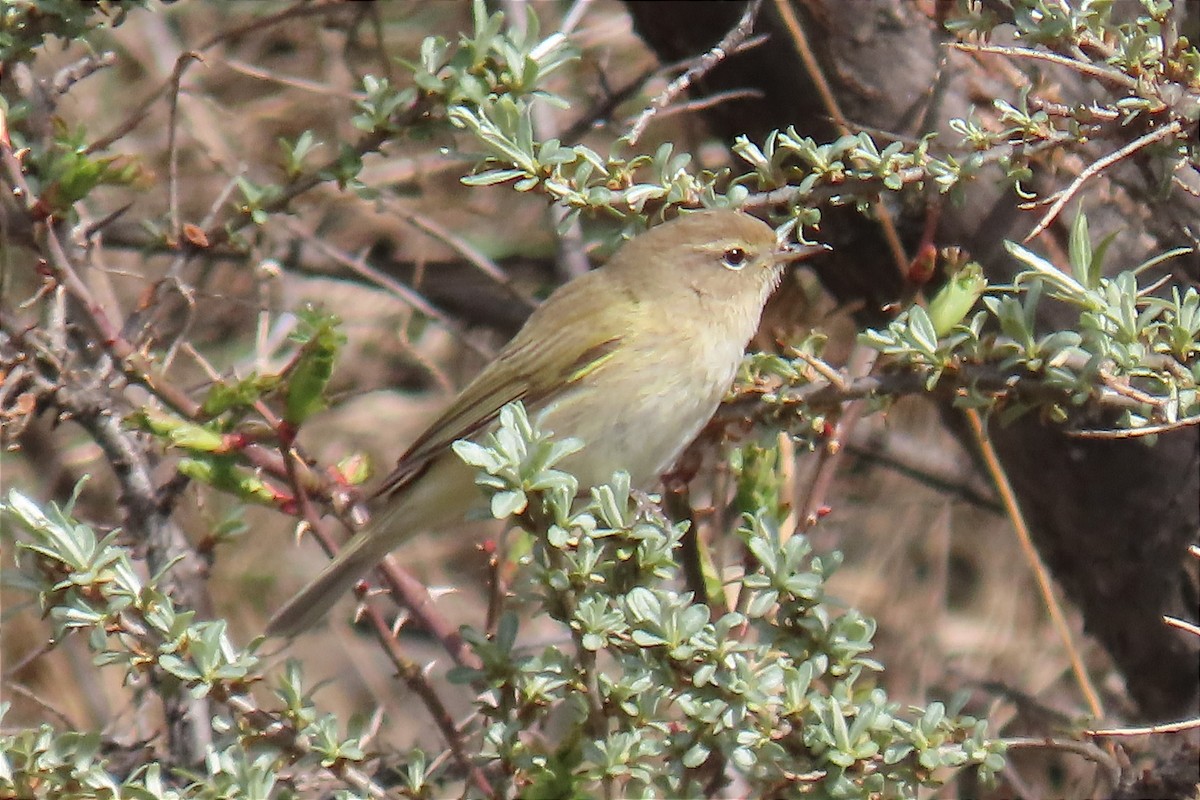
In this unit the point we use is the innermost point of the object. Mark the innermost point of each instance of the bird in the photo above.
(631, 358)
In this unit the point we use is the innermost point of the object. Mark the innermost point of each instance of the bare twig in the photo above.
(730, 42)
(708, 101)
(316, 87)
(73, 73)
(1112, 770)
(472, 254)
(359, 266)
(1041, 574)
(172, 128)
(1133, 433)
(1162, 727)
(1099, 165)
(1183, 625)
(413, 595)
(787, 13)
(23, 690)
(1106, 74)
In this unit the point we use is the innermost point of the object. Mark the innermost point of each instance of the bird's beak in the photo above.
(799, 252)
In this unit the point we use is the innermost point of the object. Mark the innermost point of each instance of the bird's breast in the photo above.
(638, 411)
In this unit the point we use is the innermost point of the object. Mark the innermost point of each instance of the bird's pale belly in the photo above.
(643, 434)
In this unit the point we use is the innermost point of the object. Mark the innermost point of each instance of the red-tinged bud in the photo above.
(920, 270)
(824, 511)
(352, 470)
(195, 235)
(286, 432)
(232, 442)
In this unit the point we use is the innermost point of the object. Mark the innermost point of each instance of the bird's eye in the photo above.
(734, 258)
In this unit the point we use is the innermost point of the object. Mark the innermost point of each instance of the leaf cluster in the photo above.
(658, 698)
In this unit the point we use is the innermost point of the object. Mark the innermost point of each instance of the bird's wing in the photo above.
(537, 364)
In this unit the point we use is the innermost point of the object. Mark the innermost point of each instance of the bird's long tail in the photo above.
(439, 495)
(360, 554)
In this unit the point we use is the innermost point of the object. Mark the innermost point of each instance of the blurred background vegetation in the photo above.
(212, 169)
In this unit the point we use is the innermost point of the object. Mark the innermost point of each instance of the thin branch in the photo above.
(414, 596)
(359, 266)
(33, 697)
(730, 42)
(411, 672)
(1183, 625)
(139, 114)
(285, 735)
(143, 109)
(1041, 574)
(862, 361)
(172, 129)
(189, 719)
(1162, 727)
(1099, 165)
(1083, 67)
(1000, 384)
(1133, 433)
(813, 68)
(303, 84)
(708, 101)
(73, 73)
(1112, 770)
(472, 254)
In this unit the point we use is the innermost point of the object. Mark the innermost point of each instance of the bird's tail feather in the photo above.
(439, 495)
(310, 604)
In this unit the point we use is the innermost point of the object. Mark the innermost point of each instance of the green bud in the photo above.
(954, 301)
(220, 472)
(305, 391)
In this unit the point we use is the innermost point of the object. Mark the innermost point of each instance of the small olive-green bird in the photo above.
(631, 358)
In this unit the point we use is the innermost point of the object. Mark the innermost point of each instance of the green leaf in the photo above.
(508, 503)
(310, 373)
(922, 329)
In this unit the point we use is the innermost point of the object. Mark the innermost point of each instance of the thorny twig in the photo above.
(1106, 74)
(1098, 166)
(728, 44)
(411, 672)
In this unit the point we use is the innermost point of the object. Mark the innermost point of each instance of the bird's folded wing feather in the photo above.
(531, 368)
